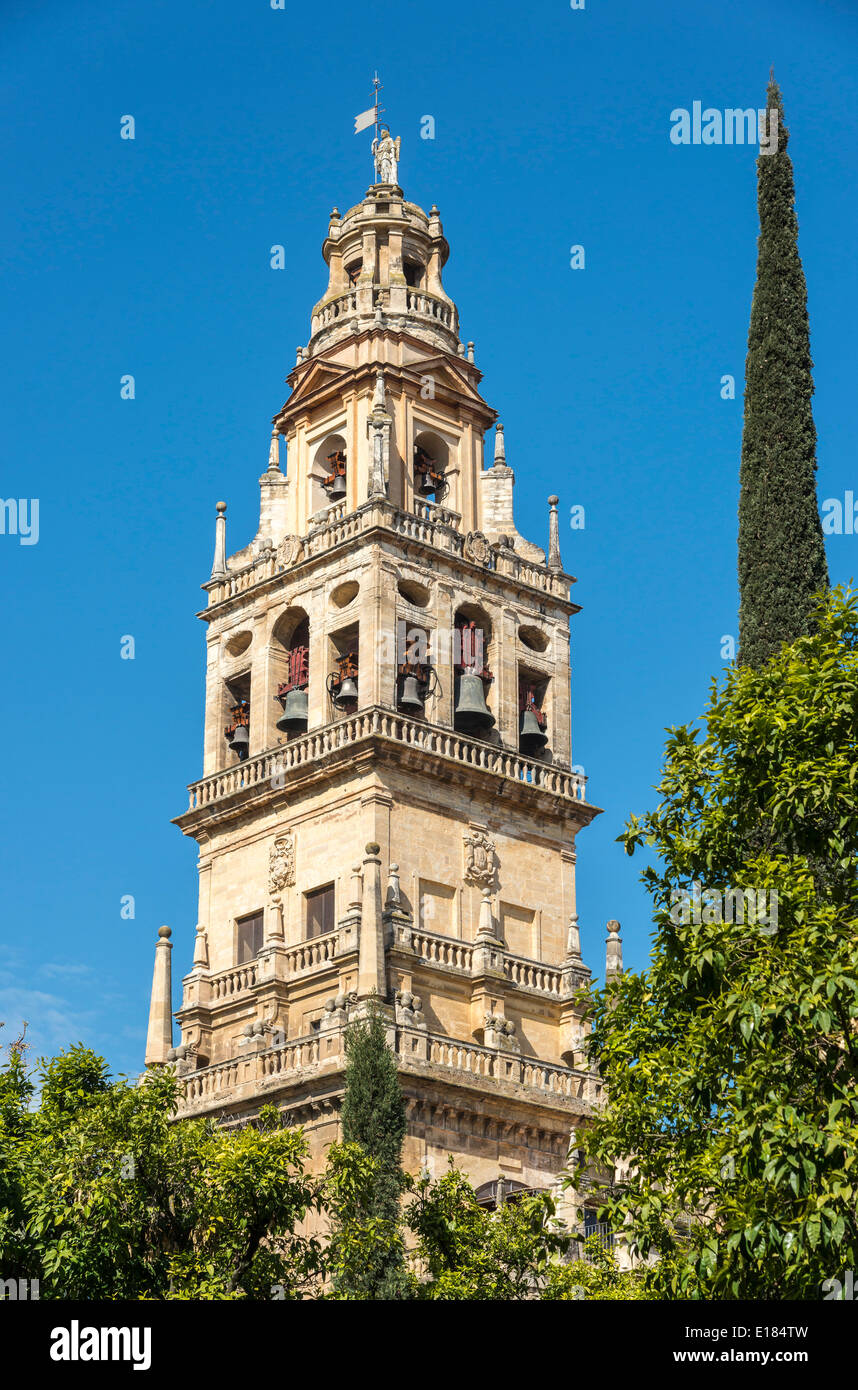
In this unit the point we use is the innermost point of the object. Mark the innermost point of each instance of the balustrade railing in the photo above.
(317, 1049)
(429, 523)
(307, 955)
(447, 951)
(226, 984)
(395, 727)
(532, 974)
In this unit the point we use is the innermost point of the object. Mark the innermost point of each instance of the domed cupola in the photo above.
(385, 257)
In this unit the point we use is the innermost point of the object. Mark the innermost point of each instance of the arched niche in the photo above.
(321, 468)
(290, 632)
(472, 658)
(431, 448)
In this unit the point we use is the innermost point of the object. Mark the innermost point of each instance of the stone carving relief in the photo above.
(409, 1009)
(281, 865)
(477, 548)
(289, 551)
(480, 859)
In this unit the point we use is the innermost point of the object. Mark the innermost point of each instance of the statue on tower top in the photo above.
(385, 152)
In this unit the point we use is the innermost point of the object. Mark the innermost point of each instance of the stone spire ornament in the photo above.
(379, 424)
(613, 951)
(573, 939)
(201, 948)
(486, 926)
(219, 569)
(371, 971)
(274, 453)
(159, 1039)
(554, 561)
(500, 446)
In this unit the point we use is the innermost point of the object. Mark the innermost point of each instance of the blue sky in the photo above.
(151, 257)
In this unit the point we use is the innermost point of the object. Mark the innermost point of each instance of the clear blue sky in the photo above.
(151, 257)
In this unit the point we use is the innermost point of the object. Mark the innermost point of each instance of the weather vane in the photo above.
(385, 150)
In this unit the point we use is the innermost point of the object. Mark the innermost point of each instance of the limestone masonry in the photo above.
(387, 807)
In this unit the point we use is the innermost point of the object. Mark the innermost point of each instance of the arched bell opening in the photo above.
(431, 467)
(328, 474)
(343, 678)
(236, 710)
(289, 675)
(532, 713)
(472, 643)
(417, 680)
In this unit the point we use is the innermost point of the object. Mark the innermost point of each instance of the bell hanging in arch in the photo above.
(239, 741)
(347, 693)
(293, 720)
(337, 490)
(531, 737)
(410, 700)
(472, 714)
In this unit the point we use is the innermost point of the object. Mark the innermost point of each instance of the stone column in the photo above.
(371, 967)
(159, 1039)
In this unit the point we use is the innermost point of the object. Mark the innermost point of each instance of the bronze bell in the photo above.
(472, 714)
(410, 700)
(531, 737)
(337, 490)
(239, 740)
(347, 693)
(293, 720)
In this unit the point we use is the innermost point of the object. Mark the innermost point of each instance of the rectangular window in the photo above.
(320, 911)
(248, 938)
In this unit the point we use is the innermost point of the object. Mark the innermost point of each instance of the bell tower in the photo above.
(387, 808)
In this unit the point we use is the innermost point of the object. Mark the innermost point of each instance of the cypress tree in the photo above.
(781, 551)
(373, 1115)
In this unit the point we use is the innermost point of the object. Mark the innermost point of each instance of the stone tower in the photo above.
(387, 807)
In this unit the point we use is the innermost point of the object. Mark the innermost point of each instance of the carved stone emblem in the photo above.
(281, 865)
(477, 548)
(289, 551)
(480, 859)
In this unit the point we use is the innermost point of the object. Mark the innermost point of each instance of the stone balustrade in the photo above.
(220, 1082)
(393, 727)
(227, 984)
(310, 955)
(436, 949)
(429, 523)
(358, 302)
(427, 305)
(532, 974)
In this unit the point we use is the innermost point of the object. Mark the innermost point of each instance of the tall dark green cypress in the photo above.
(781, 551)
(373, 1115)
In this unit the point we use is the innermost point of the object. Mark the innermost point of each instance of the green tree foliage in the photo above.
(732, 1063)
(373, 1117)
(365, 1254)
(782, 562)
(105, 1196)
(519, 1251)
